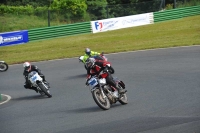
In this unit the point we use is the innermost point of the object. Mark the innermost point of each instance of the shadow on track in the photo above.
(91, 109)
(76, 77)
(35, 97)
(85, 110)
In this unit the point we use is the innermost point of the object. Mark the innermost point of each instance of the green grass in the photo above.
(180, 32)
(11, 22)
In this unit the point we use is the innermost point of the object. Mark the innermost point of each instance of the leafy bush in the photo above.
(16, 10)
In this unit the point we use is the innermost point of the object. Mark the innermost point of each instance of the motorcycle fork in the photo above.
(45, 85)
(101, 89)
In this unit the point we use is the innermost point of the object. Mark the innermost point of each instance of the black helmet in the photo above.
(87, 51)
(90, 62)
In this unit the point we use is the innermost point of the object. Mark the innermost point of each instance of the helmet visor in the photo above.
(88, 53)
(27, 68)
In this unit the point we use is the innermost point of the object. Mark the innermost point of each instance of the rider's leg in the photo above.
(28, 86)
(109, 80)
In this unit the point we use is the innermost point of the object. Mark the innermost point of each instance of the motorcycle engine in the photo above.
(109, 95)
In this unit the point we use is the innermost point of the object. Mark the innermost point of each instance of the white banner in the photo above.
(121, 22)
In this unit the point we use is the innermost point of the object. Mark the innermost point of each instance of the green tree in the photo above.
(97, 9)
(73, 7)
(33, 3)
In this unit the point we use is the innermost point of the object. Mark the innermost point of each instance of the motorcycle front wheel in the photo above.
(3, 66)
(103, 103)
(43, 88)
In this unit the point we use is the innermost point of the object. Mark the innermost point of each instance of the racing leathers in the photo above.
(27, 83)
(97, 68)
(86, 56)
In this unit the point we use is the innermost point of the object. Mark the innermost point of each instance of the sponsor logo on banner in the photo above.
(110, 24)
(10, 39)
(101, 26)
(98, 25)
(135, 19)
(1, 40)
(121, 22)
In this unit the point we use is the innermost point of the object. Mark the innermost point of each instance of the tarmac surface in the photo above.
(163, 96)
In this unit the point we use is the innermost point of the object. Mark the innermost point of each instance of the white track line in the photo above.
(8, 98)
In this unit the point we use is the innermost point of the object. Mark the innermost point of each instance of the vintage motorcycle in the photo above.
(98, 57)
(37, 81)
(104, 94)
(3, 66)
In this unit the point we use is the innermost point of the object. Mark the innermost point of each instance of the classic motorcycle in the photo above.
(37, 81)
(3, 66)
(98, 57)
(104, 94)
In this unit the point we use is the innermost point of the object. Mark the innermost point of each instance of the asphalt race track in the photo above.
(163, 92)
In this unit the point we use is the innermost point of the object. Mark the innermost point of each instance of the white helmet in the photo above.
(27, 66)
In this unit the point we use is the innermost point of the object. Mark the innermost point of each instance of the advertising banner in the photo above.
(11, 38)
(121, 22)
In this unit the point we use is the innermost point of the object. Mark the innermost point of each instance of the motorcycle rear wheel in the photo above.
(123, 99)
(43, 88)
(100, 101)
(111, 70)
(3, 66)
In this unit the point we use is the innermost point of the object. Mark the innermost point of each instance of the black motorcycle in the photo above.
(3, 66)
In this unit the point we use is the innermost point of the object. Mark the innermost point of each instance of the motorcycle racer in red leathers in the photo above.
(95, 67)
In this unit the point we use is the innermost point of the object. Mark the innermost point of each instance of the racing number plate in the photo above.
(34, 78)
(93, 82)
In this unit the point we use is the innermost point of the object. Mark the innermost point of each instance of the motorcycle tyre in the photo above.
(5, 67)
(96, 99)
(124, 100)
(111, 70)
(43, 88)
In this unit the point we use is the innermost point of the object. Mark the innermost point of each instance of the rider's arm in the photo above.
(35, 68)
(88, 73)
(94, 53)
(25, 76)
(88, 76)
(85, 58)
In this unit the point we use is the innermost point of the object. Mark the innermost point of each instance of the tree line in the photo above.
(81, 10)
(36, 3)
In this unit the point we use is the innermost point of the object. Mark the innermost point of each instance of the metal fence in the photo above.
(85, 27)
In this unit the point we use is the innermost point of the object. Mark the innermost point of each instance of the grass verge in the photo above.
(180, 32)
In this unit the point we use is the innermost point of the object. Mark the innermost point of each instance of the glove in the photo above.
(105, 69)
(86, 83)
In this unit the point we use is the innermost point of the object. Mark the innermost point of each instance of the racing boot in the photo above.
(121, 91)
(36, 90)
(33, 88)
